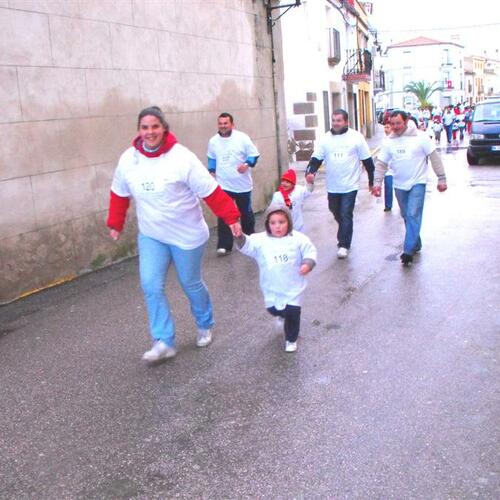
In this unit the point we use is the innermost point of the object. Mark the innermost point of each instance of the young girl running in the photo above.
(293, 196)
(284, 257)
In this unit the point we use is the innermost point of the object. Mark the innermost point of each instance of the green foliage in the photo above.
(423, 91)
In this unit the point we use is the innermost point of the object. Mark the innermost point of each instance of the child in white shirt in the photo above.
(284, 257)
(293, 196)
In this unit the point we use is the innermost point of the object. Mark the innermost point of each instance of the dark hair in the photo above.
(342, 112)
(226, 115)
(399, 112)
(153, 111)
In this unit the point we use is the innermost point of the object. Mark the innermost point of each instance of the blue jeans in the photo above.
(449, 131)
(155, 258)
(388, 191)
(342, 207)
(411, 204)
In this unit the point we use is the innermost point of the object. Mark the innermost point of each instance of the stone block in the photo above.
(311, 97)
(95, 248)
(134, 48)
(113, 92)
(17, 215)
(36, 146)
(24, 39)
(36, 259)
(59, 7)
(311, 121)
(50, 93)
(164, 89)
(114, 11)
(304, 135)
(104, 178)
(10, 110)
(100, 139)
(80, 43)
(64, 195)
(303, 108)
(156, 14)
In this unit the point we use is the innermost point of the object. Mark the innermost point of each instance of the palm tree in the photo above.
(423, 91)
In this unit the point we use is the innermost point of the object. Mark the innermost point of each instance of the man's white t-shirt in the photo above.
(229, 153)
(279, 261)
(407, 155)
(297, 197)
(342, 154)
(166, 191)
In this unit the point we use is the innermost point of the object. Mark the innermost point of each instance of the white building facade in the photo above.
(318, 38)
(423, 59)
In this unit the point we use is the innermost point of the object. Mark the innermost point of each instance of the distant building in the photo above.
(424, 59)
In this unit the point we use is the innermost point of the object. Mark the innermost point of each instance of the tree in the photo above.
(423, 91)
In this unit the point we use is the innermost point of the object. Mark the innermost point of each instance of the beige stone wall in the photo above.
(73, 76)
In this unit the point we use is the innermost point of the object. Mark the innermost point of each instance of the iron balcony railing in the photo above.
(358, 65)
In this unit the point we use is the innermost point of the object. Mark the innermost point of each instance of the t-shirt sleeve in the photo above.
(211, 152)
(427, 144)
(307, 248)
(199, 180)
(363, 149)
(250, 247)
(119, 185)
(384, 153)
(319, 150)
(250, 148)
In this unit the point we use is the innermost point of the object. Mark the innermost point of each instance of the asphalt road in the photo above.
(394, 392)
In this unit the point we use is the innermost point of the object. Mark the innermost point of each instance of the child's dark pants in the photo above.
(291, 314)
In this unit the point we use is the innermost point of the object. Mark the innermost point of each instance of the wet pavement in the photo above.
(394, 392)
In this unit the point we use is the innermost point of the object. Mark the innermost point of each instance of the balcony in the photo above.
(358, 66)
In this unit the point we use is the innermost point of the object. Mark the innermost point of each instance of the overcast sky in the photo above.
(476, 21)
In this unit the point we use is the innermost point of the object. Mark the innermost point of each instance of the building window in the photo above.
(333, 46)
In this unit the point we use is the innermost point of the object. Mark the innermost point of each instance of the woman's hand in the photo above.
(236, 229)
(114, 234)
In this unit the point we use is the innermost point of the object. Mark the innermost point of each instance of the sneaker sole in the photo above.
(204, 344)
(161, 358)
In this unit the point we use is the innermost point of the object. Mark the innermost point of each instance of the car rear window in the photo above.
(487, 112)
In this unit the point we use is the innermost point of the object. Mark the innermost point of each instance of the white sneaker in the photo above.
(160, 350)
(222, 251)
(204, 337)
(342, 253)
(290, 346)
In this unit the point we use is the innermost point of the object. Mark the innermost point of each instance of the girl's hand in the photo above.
(304, 269)
(236, 229)
(114, 234)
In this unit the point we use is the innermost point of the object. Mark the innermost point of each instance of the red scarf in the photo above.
(286, 195)
(168, 142)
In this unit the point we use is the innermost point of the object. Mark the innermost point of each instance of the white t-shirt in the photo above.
(297, 197)
(229, 153)
(279, 261)
(342, 154)
(166, 191)
(407, 156)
